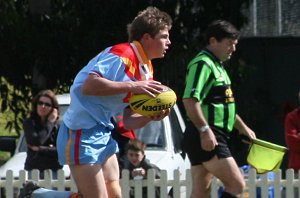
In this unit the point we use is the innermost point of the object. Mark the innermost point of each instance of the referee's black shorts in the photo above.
(192, 145)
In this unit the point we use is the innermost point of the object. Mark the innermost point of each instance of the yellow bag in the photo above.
(265, 156)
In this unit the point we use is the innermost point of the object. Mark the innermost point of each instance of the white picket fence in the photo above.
(257, 185)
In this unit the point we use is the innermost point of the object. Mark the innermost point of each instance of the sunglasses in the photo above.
(46, 104)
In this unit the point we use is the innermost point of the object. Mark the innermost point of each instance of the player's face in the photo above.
(225, 48)
(158, 46)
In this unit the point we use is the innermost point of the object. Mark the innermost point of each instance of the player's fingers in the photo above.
(160, 115)
(167, 111)
(154, 82)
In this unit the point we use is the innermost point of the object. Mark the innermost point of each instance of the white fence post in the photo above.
(289, 186)
(262, 184)
(277, 184)
(125, 185)
(9, 184)
(151, 183)
(176, 185)
(163, 184)
(251, 183)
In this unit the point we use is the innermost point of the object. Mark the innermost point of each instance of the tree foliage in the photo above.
(44, 43)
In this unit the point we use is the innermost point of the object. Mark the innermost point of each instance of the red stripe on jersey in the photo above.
(76, 150)
(131, 62)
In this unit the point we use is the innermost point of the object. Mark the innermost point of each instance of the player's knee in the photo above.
(240, 186)
(235, 186)
(113, 189)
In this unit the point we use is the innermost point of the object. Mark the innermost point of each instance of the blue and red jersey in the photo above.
(119, 63)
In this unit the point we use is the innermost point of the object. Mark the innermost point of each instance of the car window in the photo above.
(62, 110)
(23, 144)
(152, 135)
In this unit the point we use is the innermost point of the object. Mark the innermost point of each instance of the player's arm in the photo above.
(194, 111)
(134, 120)
(99, 86)
(243, 128)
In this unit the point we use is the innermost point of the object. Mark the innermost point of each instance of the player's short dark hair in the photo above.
(151, 20)
(220, 29)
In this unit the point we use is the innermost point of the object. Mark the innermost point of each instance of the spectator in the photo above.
(292, 137)
(40, 131)
(138, 165)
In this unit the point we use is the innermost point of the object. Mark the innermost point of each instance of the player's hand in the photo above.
(249, 133)
(161, 115)
(150, 87)
(208, 140)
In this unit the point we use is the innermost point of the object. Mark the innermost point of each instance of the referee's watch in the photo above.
(203, 129)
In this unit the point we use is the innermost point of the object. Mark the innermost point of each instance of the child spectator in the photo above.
(138, 165)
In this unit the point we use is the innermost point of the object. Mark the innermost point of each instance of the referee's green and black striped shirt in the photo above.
(209, 83)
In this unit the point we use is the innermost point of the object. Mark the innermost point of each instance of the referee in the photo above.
(209, 102)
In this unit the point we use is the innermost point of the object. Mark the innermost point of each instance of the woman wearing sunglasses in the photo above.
(40, 131)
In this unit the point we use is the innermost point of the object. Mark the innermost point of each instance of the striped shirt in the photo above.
(209, 83)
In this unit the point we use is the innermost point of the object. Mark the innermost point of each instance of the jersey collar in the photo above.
(209, 53)
(142, 55)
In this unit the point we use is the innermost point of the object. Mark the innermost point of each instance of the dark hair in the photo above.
(220, 29)
(46, 93)
(151, 20)
(136, 145)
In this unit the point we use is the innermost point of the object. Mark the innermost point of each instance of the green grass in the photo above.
(3, 122)
(4, 156)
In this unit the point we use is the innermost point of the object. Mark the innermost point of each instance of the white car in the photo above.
(163, 140)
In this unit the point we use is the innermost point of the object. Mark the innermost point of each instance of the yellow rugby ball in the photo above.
(146, 105)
